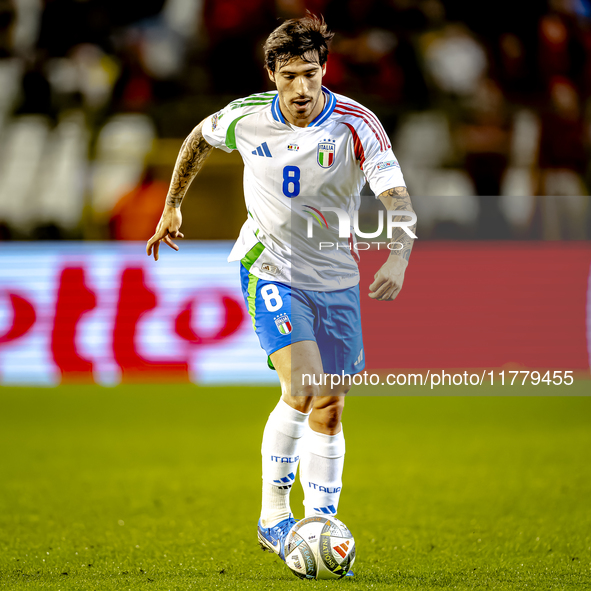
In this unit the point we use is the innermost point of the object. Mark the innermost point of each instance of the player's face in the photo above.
(299, 85)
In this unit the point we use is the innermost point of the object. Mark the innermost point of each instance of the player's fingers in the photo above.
(385, 294)
(377, 282)
(376, 296)
(156, 249)
(382, 290)
(170, 243)
(376, 285)
(391, 294)
(150, 244)
(158, 235)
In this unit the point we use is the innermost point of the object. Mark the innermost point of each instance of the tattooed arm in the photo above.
(193, 154)
(398, 199)
(389, 279)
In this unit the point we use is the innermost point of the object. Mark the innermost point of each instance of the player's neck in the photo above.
(305, 122)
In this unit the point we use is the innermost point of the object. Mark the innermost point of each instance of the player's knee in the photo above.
(303, 389)
(327, 418)
(306, 390)
(301, 397)
(300, 404)
(340, 390)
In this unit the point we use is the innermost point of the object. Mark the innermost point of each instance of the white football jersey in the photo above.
(290, 172)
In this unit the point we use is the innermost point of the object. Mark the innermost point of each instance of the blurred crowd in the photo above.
(487, 104)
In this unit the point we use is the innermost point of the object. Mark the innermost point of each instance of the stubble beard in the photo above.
(313, 104)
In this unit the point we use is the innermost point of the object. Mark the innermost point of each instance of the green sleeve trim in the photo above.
(251, 298)
(252, 255)
(262, 96)
(251, 103)
(259, 101)
(231, 133)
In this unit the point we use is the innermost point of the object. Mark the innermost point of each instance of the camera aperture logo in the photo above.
(317, 215)
(345, 224)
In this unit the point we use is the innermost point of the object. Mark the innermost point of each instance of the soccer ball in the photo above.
(319, 548)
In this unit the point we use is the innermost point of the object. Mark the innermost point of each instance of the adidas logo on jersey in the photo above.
(263, 150)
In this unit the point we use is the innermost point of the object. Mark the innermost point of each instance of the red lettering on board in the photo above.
(74, 299)
(23, 318)
(233, 318)
(135, 299)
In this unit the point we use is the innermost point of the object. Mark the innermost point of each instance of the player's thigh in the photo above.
(269, 307)
(289, 342)
(339, 335)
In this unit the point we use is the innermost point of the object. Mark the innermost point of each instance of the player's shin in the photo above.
(280, 452)
(321, 472)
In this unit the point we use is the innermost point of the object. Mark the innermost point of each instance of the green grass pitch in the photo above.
(157, 488)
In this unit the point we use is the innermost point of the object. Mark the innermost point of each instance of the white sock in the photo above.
(321, 471)
(281, 438)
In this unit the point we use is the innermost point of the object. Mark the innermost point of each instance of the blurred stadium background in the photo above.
(157, 485)
(489, 116)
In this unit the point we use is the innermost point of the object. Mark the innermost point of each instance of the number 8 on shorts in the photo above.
(272, 297)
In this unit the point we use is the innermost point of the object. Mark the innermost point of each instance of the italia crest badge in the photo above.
(283, 323)
(326, 153)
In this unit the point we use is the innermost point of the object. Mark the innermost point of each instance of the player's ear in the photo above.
(271, 75)
(324, 69)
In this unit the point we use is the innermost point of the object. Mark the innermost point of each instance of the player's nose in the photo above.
(301, 86)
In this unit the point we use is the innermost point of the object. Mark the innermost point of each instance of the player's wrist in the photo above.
(172, 204)
(397, 259)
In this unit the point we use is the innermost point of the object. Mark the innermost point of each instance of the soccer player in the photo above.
(300, 140)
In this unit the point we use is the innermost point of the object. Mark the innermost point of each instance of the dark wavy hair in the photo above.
(306, 38)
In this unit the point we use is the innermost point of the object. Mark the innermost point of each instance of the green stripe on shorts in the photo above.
(251, 298)
(252, 255)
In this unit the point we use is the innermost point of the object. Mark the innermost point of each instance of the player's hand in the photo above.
(389, 279)
(168, 228)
